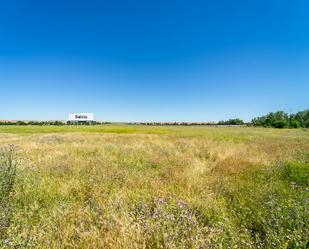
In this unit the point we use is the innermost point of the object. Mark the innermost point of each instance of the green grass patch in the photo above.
(267, 207)
(297, 173)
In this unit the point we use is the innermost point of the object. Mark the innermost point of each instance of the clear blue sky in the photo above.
(157, 60)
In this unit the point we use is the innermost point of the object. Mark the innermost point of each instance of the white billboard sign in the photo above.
(81, 117)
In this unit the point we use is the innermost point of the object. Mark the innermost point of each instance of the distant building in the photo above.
(81, 118)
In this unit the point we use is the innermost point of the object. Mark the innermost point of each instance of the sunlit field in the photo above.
(121, 186)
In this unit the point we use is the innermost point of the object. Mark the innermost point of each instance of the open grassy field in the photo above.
(118, 186)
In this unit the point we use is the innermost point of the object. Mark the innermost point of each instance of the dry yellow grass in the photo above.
(185, 188)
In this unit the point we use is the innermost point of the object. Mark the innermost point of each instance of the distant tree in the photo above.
(294, 124)
(235, 121)
(281, 119)
(21, 123)
(279, 123)
(303, 118)
(56, 123)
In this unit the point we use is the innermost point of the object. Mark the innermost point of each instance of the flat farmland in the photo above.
(125, 186)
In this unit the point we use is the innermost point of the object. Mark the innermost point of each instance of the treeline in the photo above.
(171, 123)
(278, 119)
(281, 119)
(56, 122)
(235, 121)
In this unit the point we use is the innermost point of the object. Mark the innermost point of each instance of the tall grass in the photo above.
(186, 188)
(7, 177)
